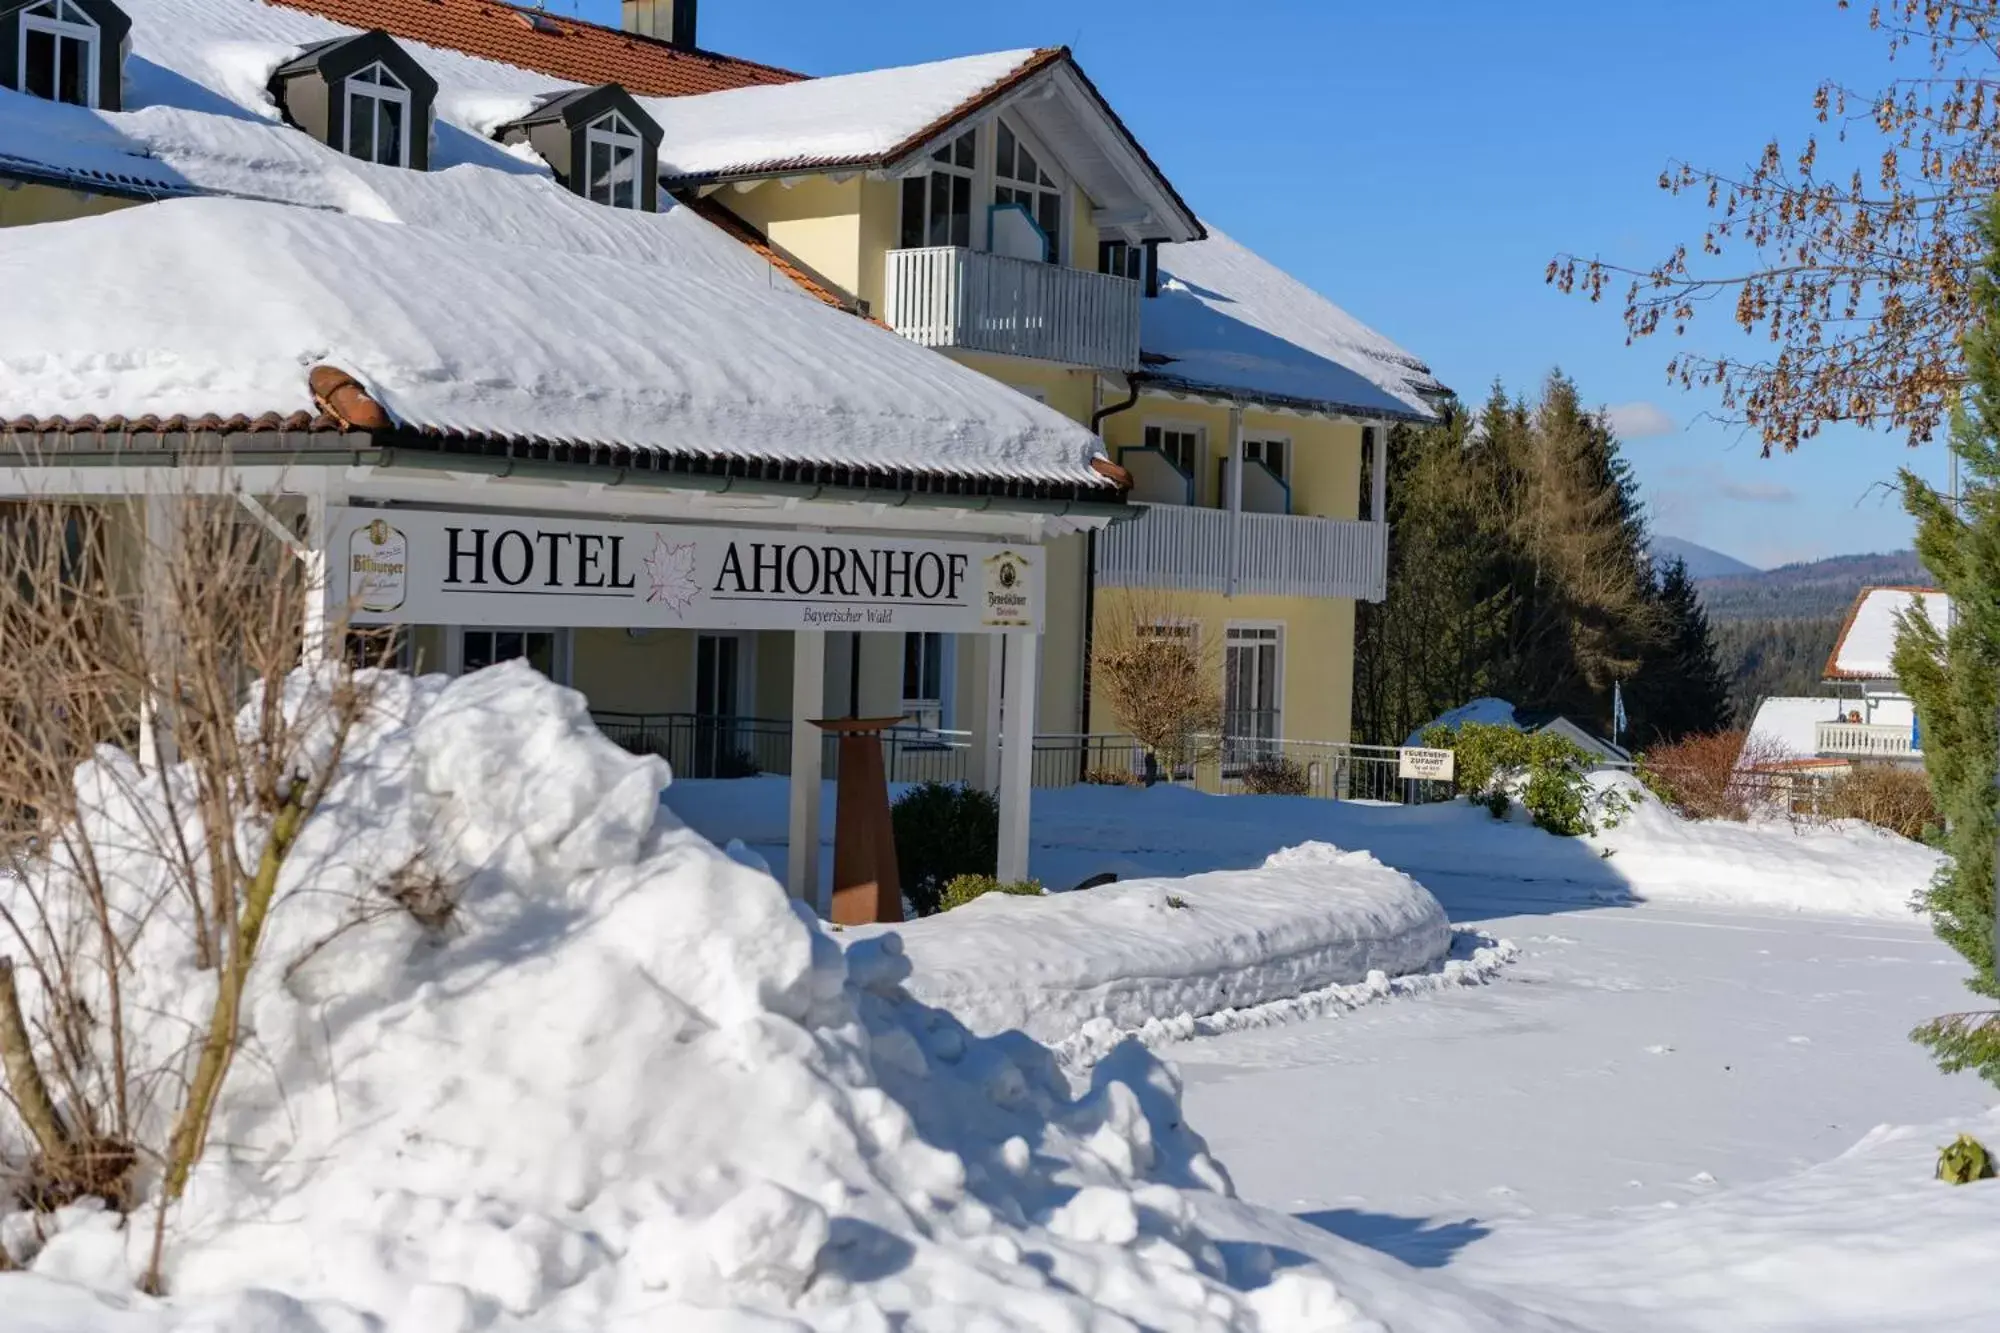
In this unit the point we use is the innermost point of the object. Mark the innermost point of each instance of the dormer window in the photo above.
(598, 142)
(362, 95)
(611, 156)
(378, 117)
(64, 50)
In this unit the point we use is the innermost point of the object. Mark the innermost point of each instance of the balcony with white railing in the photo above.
(948, 296)
(1214, 550)
(1866, 740)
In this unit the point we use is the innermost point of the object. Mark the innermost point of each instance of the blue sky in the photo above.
(1420, 164)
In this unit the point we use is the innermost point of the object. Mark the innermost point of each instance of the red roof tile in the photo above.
(239, 424)
(564, 48)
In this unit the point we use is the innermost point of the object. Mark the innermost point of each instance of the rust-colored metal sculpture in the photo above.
(866, 886)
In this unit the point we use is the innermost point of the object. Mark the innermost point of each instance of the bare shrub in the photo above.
(1889, 796)
(1161, 677)
(1111, 777)
(1276, 775)
(169, 626)
(1720, 775)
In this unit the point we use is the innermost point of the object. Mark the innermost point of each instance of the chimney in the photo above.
(668, 20)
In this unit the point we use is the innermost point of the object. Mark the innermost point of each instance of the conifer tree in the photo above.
(1681, 689)
(1952, 671)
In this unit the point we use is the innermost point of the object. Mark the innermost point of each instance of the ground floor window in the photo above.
(383, 646)
(1251, 697)
(924, 679)
(543, 649)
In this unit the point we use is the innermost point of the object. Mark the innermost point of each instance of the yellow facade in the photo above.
(24, 205)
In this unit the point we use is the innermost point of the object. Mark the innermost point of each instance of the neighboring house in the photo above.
(993, 208)
(1877, 721)
(1534, 721)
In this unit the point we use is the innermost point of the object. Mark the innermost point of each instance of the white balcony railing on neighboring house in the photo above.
(946, 296)
(1212, 550)
(1865, 740)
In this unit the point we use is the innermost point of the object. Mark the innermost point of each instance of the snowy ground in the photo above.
(1648, 1121)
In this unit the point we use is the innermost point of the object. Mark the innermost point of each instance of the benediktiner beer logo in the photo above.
(1007, 602)
(378, 566)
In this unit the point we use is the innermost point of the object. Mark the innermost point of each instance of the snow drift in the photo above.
(630, 1085)
(1150, 949)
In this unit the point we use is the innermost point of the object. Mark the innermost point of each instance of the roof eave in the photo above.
(1223, 393)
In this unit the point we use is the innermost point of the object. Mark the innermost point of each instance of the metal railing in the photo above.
(1281, 555)
(949, 296)
(710, 747)
(1866, 740)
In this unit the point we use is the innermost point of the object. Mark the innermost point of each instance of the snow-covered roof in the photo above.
(1487, 712)
(1788, 728)
(845, 118)
(221, 305)
(504, 304)
(1868, 639)
(1228, 319)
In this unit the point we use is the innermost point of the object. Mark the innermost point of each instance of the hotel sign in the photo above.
(425, 567)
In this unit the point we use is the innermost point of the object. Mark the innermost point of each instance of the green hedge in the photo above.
(1547, 773)
(943, 830)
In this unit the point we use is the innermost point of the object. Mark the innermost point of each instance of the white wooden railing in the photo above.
(1865, 740)
(945, 296)
(1281, 555)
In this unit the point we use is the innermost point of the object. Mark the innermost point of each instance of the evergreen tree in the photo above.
(1953, 673)
(1681, 689)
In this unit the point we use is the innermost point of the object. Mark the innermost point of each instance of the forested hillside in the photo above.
(1774, 630)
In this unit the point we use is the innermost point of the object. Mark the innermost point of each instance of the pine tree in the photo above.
(1681, 689)
(1953, 673)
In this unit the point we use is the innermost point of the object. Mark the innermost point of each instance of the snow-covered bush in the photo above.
(136, 897)
(965, 888)
(1548, 774)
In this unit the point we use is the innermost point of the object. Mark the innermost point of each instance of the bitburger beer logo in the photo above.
(1006, 603)
(378, 566)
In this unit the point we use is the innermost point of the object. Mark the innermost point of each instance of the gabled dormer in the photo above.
(363, 95)
(65, 50)
(599, 144)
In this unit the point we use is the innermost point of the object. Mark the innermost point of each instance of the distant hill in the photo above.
(1813, 590)
(1701, 562)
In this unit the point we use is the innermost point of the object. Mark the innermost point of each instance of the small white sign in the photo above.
(1427, 765)
(378, 567)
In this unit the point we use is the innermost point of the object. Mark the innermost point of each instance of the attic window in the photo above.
(612, 151)
(58, 55)
(378, 117)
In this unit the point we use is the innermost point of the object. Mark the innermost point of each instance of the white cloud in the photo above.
(1758, 492)
(1639, 421)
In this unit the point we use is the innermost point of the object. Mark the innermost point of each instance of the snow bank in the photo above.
(1125, 955)
(1846, 867)
(631, 1086)
(1867, 1241)
(1841, 869)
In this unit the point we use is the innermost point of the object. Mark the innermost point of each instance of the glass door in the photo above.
(718, 660)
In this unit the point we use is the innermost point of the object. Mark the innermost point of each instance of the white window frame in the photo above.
(388, 88)
(606, 130)
(940, 161)
(1179, 427)
(83, 28)
(1230, 640)
(565, 655)
(932, 712)
(995, 182)
(746, 669)
(1265, 438)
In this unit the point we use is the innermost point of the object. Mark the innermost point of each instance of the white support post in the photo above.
(160, 547)
(316, 630)
(808, 702)
(1235, 501)
(986, 774)
(1017, 754)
